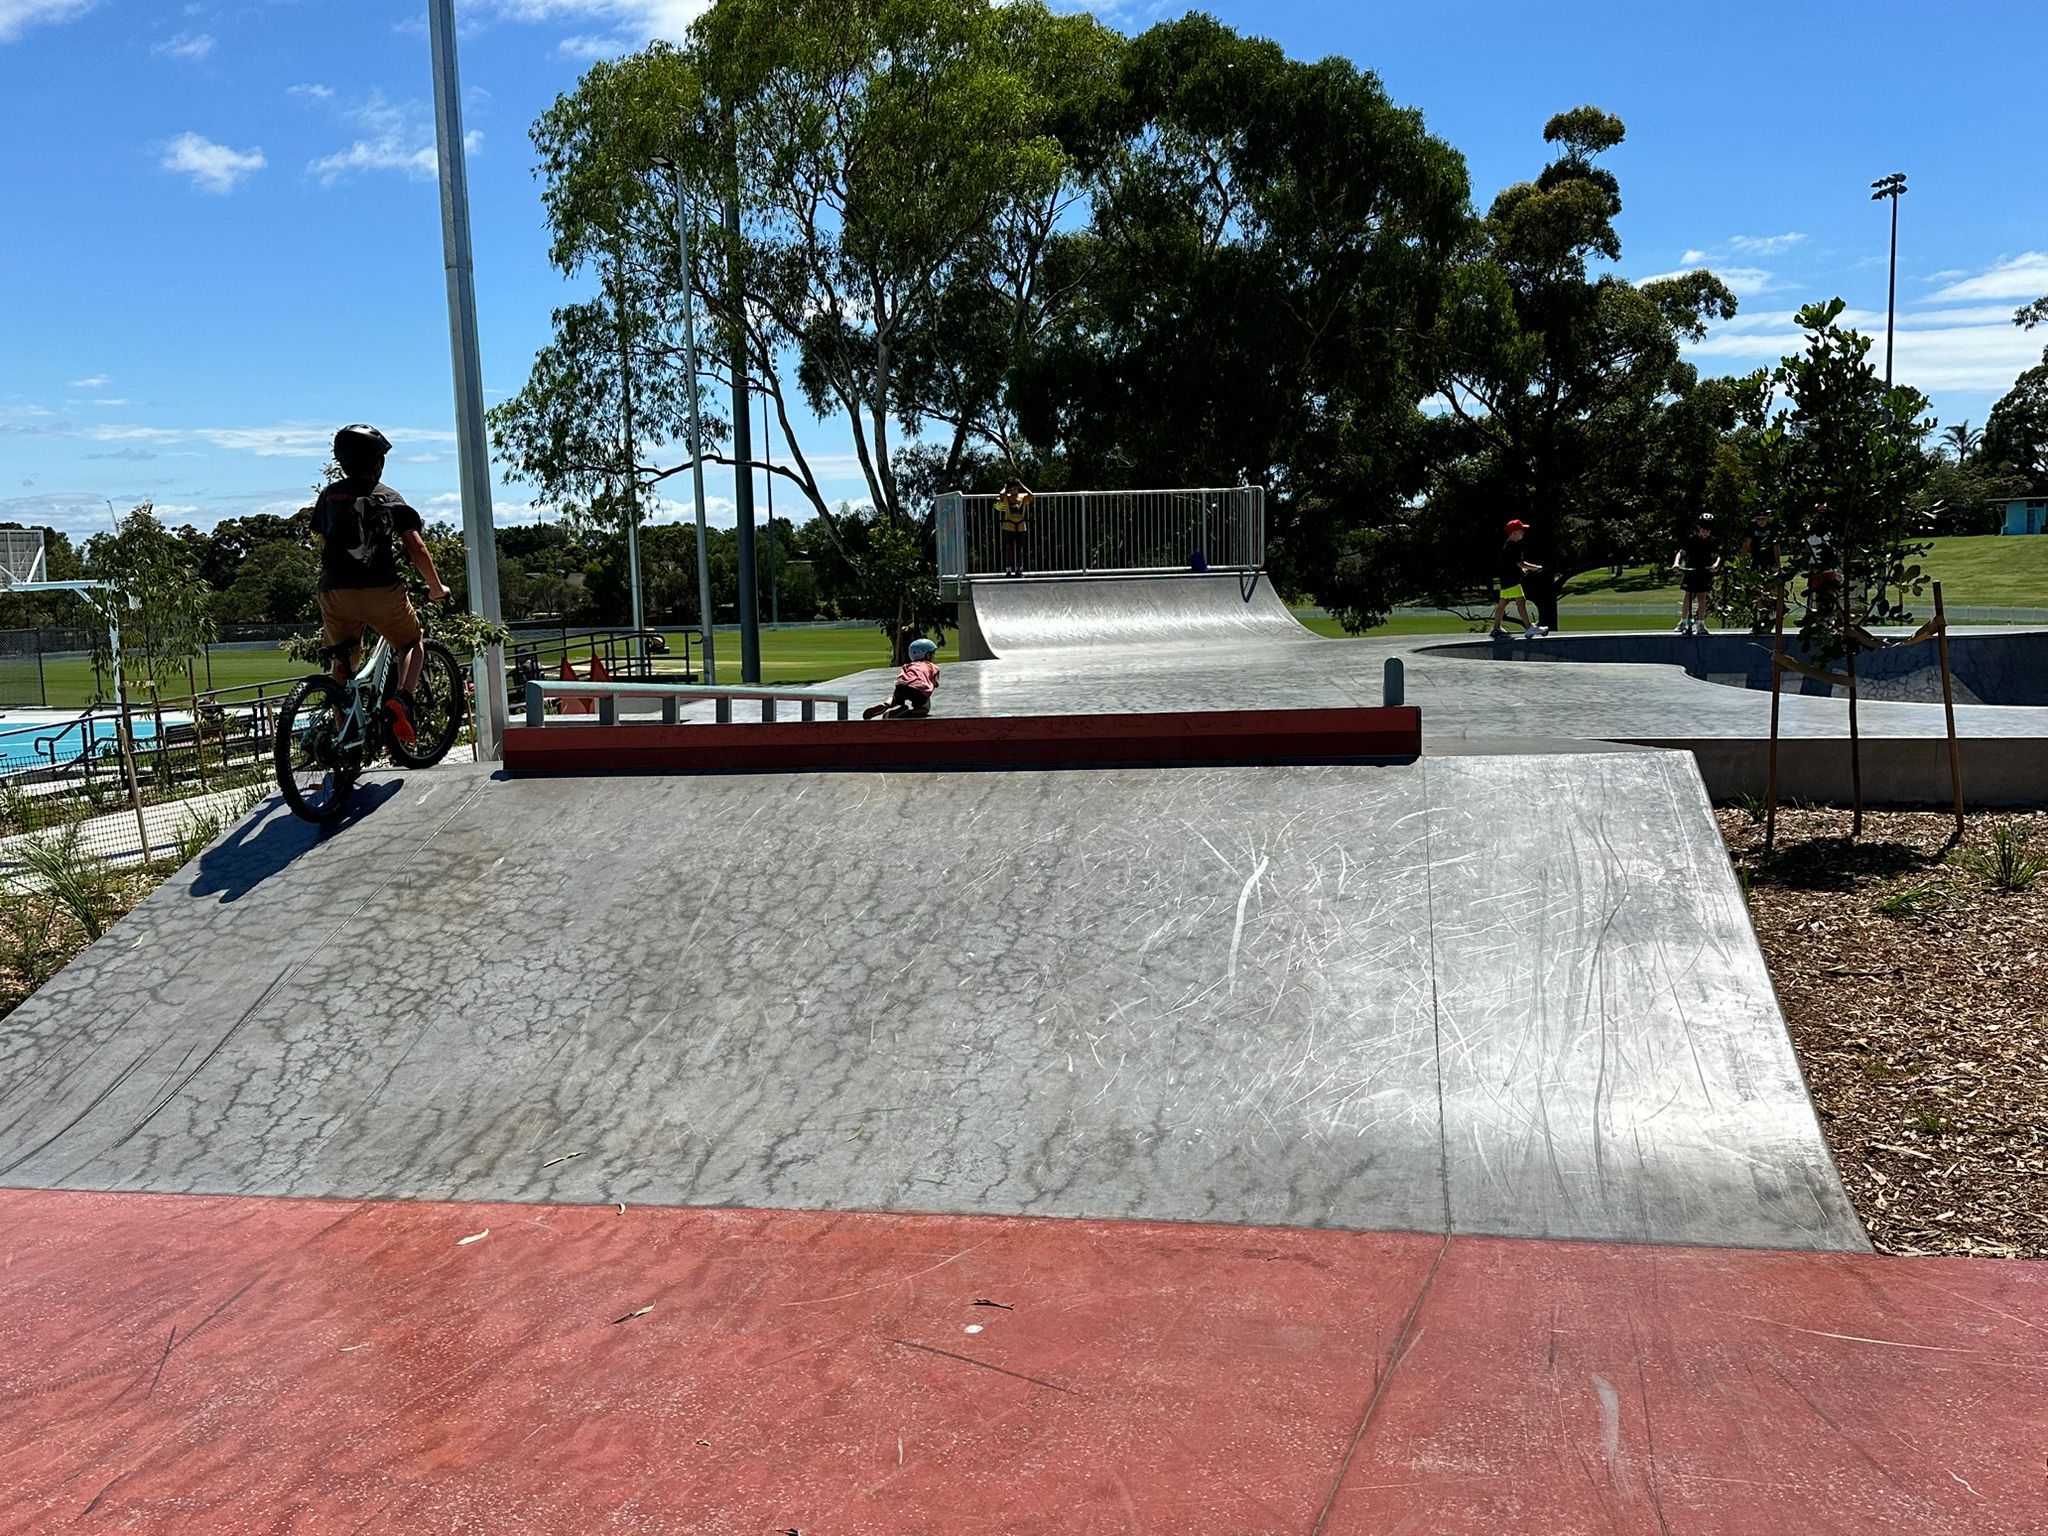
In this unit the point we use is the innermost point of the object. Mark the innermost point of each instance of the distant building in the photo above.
(2023, 515)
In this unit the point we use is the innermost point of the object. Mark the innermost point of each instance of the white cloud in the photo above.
(93, 381)
(604, 27)
(1743, 282)
(2017, 277)
(212, 167)
(1935, 347)
(186, 45)
(396, 136)
(311, 92)
(286, 440)
(1692, 259)
(17, 16)
(1764, 245)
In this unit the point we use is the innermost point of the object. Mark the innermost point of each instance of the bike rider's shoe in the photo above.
(1684, 627)
(399, 710)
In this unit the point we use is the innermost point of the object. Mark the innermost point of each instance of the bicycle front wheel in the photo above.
(438, 700)
(312, 771)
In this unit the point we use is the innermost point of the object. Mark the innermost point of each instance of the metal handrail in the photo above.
(672, 695)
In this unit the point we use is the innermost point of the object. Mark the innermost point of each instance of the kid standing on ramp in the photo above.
(915, 685)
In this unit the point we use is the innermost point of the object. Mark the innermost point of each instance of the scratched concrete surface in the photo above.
(1474, 994)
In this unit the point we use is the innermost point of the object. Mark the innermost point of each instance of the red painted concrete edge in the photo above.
(201, 1364)
(1233, 736)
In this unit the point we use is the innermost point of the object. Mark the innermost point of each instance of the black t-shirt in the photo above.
(359, 530)
(1763, 546)
(1699, 552)
(1512, 554)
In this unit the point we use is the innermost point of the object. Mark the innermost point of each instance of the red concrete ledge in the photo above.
(1006, 741)
(193, 1365)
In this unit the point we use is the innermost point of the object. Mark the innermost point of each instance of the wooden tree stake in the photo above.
(1777, 683)
(1948, 707)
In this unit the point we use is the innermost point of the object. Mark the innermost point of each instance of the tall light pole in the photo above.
(768, 479)
(479, 532)
(1893, 187)
(696, 426)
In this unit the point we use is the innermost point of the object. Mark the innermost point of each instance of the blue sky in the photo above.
(223, 236)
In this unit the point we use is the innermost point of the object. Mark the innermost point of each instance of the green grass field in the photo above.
(787, 656)
(1989, 572)
(1986, 572)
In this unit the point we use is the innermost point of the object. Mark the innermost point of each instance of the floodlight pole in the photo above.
(696, 426)
(479, 533)
(1893, 187)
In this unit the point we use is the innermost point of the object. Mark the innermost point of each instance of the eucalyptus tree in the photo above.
(898, 169)
(1556, 374)
(1265, 242)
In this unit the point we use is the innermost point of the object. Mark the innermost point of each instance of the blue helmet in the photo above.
(922, 649)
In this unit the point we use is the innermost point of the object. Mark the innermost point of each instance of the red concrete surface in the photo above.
(204, 1365)
(1199, 736)
(1580, 1388)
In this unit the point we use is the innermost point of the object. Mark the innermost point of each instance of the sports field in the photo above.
(1989, 572)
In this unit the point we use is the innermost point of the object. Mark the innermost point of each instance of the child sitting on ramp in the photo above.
(915, 685)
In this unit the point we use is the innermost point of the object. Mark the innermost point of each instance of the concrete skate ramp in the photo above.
(1478, 994)
(1059, 613)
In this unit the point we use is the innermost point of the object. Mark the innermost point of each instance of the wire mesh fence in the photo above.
(1064, 533)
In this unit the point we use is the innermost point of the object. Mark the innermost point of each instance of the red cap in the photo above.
(1518, 526)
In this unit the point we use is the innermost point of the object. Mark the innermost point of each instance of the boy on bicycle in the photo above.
(355, 523)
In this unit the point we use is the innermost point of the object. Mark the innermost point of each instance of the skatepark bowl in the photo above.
(1357, 1144)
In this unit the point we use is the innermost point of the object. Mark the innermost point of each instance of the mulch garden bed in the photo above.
(1917, 993)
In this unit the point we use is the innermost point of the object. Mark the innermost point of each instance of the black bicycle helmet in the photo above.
(358, 444)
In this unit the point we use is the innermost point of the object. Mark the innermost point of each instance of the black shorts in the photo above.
(910, 700)
(1696, 583)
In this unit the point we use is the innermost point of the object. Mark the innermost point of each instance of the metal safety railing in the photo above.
(673, 696)
(1073, 533)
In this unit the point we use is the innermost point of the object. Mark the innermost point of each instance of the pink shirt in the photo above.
(921, 675)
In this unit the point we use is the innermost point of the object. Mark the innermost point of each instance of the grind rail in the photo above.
(672, 697)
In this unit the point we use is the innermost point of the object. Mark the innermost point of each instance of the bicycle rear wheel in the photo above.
(438, 700)
(312, 771)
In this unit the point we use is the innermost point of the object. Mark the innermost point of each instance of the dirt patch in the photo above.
(1917, 993)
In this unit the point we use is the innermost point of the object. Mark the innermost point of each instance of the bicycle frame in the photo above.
(366, 694)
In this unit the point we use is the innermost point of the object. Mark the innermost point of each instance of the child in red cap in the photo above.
(1512, 568)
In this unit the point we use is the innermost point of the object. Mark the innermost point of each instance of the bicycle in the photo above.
(329, 733)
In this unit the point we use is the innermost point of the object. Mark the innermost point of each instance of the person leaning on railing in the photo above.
(1013, 517)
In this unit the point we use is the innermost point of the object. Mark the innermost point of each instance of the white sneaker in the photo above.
(1684, 627)
(1531, 632)
(1699, 627)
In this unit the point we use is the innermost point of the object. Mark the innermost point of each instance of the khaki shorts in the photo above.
(346, 611)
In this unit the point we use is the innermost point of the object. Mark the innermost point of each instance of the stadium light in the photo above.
(1893, 187)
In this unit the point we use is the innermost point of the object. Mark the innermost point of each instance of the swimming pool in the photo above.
(42, 738)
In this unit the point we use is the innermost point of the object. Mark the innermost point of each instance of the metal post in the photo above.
(479, 534)
(768, 479)
(1893, 187)
(123, 732)
(743, 453)
(1891, 296)
(696, 426)
(1948, 708)
(1855, 740)
(1394, 683)
(1777, 685)
(631, 474)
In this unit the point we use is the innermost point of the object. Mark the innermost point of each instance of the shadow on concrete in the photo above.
(271, 838)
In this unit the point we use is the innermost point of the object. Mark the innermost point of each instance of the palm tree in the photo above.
(1962, 441)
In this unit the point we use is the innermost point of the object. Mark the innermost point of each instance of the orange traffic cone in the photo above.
(599, 672)
(572, 705)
